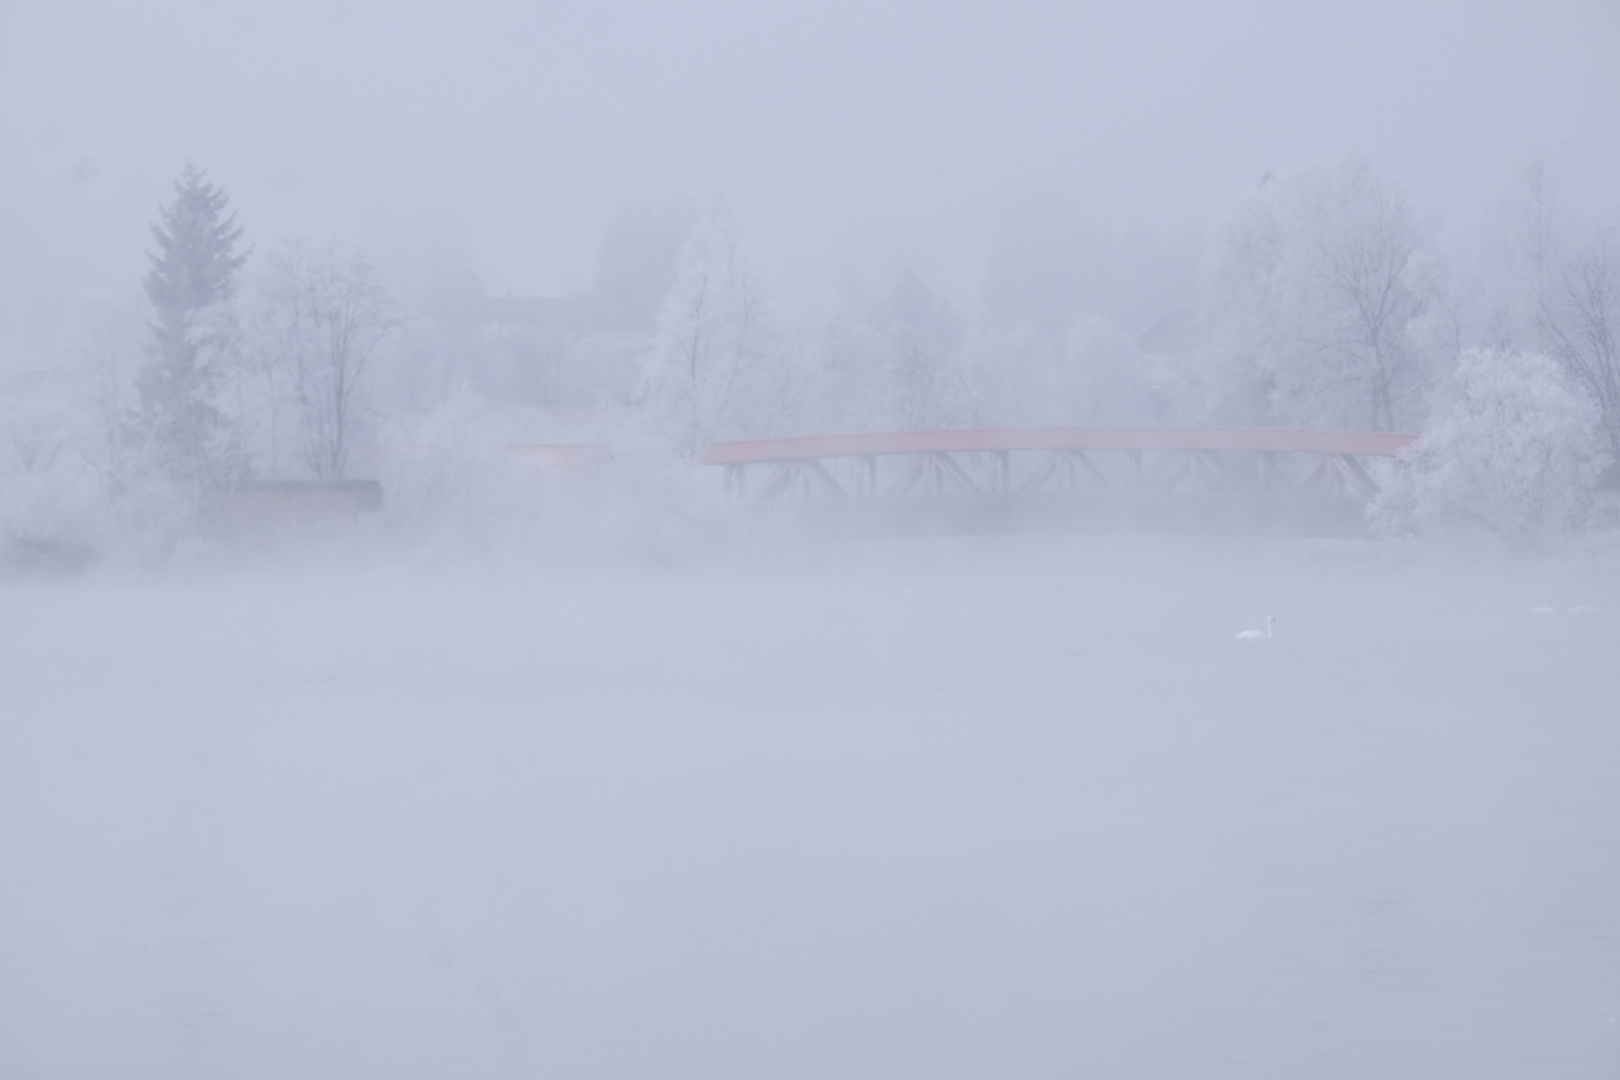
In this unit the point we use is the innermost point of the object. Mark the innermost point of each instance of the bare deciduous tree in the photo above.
(1579, 322)
(1315, 297)
(1562, 295)
(1370, 266)
(324, 315)
(711, 336)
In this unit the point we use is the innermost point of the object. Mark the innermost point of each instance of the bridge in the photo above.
(1159, 479)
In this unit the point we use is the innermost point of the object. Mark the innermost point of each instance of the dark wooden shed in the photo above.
(279, 511)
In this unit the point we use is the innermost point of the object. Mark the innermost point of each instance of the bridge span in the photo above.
(1194, 479)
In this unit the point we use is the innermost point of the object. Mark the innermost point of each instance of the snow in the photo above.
(965, 808)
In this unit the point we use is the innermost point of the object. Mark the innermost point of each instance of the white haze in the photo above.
(503, 136)
(603, 775)
(947, 810)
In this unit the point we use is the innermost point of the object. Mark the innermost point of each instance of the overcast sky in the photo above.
(842, 134)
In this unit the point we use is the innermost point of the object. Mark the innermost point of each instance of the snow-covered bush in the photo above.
(51, 508)
(471, 480)
(1515, 453)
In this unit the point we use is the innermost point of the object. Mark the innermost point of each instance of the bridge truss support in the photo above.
(1113, 466)
(1067, 470)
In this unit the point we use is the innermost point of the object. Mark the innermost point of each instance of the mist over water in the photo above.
(935, 808)
(610, 539)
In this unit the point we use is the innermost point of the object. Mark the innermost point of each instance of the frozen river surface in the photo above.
(988, 811)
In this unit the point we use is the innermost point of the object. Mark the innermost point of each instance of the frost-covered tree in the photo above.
(107, 353)
(920, 341)
(919, 373)
(1554, 286)
(885, 359)
(1019, 377)
(49, 499)
(1515, 453)
(996, 374)
(838, 351)
(193, 270)
(1101, 375)
(711, 339)
(1317, 300)
(67, 467)
(1580, 324)
(318, 317)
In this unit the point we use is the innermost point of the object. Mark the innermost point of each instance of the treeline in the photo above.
(1319, 301)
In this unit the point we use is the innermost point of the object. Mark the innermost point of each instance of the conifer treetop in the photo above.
(195, 263)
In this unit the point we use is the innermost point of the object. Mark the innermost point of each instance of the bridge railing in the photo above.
(1070, 459)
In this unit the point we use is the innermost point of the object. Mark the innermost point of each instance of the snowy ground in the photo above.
(988, 809)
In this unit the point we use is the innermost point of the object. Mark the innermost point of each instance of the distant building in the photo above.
(278, 514)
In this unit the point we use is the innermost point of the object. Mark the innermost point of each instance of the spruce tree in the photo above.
(192, 271)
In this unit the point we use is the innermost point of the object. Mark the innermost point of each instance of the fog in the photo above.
(915, 809)
(843, 135)
(724, 540)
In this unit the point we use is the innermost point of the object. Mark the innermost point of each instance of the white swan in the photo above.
(1259, 635)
